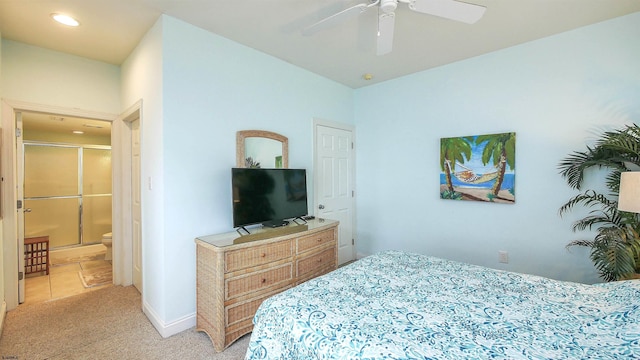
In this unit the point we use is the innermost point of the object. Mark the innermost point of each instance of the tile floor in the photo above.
(63, 279)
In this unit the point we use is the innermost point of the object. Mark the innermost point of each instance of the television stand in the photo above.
(275, 223)
(234, 273)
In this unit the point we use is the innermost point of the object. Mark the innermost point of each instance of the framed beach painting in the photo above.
(478, 168)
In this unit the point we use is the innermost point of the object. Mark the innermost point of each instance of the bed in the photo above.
(399, 305)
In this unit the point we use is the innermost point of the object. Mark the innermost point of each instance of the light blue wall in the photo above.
(40, 76)
(212, 88)
(555, 93)
(142, 80)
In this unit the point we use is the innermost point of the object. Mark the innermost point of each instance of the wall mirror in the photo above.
(263, 149)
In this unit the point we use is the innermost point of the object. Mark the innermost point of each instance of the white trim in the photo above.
(59, 110)
(133, 112)
(9, 230)
(121, 180)
(172, 328)
(335, 125)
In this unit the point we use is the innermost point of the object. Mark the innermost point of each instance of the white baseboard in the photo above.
(168, 329)
(3, 313)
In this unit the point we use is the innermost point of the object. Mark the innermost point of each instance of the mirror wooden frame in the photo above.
(240, 144)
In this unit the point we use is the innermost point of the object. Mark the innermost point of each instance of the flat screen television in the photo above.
(268, 196)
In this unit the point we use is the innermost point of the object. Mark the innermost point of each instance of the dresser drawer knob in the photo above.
(264, 281)
(319, 260)
(263, 255)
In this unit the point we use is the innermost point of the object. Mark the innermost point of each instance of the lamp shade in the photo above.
(629, 195)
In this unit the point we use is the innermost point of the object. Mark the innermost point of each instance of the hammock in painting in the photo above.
(468, 176)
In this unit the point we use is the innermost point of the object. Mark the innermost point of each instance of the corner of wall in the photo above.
(168, 329)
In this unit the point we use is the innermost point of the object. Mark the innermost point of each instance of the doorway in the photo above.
(122, 188)
(64, 183)
(334, 182)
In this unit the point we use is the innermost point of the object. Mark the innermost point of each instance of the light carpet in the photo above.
(103, 324)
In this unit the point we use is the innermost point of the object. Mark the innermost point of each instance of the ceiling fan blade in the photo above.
(386, 25)
(336, 19)
(449, 9)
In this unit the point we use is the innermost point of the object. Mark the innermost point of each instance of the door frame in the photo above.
(17, 117)
(122, 181)
(316, 174)
(9, 185)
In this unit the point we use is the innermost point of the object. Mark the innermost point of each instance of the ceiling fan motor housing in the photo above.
(388, 6)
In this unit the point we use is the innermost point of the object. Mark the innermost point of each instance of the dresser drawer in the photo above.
(259, 281)
(309, 242)
(257, 255)
(236, 314)
(313, 263)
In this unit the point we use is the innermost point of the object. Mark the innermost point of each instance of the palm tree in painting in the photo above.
(500, 150)
(453, 150)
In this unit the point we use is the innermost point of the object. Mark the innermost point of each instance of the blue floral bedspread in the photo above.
(397, 305)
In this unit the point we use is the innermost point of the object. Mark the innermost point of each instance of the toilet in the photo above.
(106, 241)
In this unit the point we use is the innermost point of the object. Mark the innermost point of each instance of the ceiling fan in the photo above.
(448, 9)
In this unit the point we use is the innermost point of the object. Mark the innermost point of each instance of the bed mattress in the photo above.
(399, 305)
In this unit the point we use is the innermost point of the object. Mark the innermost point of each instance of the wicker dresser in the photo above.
(236, 273)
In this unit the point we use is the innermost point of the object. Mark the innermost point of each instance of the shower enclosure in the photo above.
(67, 193)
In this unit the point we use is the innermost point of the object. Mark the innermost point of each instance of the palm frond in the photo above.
(615, 250)
(613, 182)
(591, 222)
(573, 167)
(585, 243)
(589, 198)
(613, 258)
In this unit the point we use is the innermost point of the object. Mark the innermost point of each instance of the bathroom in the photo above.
(67, 198)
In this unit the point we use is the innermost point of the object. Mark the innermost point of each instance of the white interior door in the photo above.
(136, 216)
(9, 230)
(334, 183)
(21, 209)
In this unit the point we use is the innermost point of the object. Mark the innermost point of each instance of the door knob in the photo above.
(27, 210)
(320, 206)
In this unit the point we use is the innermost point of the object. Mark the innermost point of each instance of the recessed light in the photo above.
(65, 19)
(78, 132)
(367, 76)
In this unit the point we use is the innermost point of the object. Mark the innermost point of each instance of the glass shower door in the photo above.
(96, 194)
(52, 193)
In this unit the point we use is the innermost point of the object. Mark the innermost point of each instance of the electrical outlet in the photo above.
(503, 257)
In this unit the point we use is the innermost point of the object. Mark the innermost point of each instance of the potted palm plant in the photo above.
(615, 249)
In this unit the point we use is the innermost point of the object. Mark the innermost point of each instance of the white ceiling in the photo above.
(110, 29)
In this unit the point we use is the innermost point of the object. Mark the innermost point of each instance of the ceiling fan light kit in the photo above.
(448, 9)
